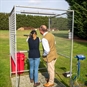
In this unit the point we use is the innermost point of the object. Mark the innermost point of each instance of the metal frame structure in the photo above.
(12, 31)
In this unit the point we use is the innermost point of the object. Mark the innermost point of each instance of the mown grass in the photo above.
(62, 64)
(4, 60)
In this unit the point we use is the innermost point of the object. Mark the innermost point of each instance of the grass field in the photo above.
(62, 65)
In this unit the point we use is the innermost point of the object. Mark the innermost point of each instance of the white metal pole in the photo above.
(15, 47)
(49, 23)
(71, 48)
(72, 43)
(9, 45)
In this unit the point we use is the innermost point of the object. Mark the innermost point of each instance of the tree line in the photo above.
(22, 21)
(33, 21)
(4, 21)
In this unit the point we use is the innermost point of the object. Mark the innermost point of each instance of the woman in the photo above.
(34, 57)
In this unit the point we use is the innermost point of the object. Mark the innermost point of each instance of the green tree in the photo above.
(80, 22)
(31, 21)
(4, 22)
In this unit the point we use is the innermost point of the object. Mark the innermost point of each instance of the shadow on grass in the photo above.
(27, 62)
(42, 66)
(62, 82)
(85, 83)
(81, 42)
(65, 84)
(63, 68)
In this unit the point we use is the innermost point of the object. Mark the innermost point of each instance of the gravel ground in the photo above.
(24, 81)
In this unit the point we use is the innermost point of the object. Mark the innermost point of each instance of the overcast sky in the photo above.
(7, 5)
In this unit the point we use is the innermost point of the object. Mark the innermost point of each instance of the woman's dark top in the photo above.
(33, 48)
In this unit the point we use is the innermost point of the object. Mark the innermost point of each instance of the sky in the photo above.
(7, 5)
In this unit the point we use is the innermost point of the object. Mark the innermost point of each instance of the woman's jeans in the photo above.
(34, 65)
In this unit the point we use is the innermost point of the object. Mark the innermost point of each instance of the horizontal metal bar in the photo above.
(63, 55)
(24, 51)
(58, 15)
(27, 70)
(38, 13)
(42, 8)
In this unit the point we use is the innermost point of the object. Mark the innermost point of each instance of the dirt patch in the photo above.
(25, 28)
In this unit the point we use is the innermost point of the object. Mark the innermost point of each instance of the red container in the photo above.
(20, 63)
(12, 65)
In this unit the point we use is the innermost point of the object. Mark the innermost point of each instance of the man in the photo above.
(49, 54)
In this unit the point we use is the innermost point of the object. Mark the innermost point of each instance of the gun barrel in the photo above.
(26, 35)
